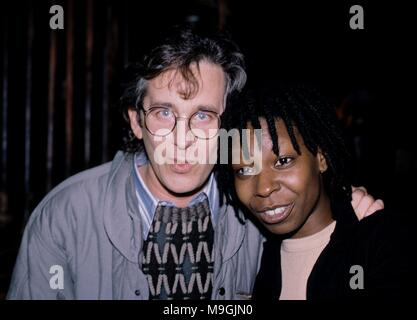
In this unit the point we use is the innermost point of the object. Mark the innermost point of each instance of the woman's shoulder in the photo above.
(385, 224)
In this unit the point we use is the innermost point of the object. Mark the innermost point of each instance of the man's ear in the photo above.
(134, 123)
(322, 162)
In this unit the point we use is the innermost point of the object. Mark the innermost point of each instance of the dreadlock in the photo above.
(300, 107)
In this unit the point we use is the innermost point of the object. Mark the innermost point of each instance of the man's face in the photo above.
(180, 175)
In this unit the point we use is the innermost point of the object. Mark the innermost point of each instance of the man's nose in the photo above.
(183, 136)
(266, 184)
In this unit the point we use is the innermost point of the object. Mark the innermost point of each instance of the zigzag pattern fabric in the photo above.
(178, 253)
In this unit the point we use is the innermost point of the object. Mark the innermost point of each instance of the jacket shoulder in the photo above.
(92, 180)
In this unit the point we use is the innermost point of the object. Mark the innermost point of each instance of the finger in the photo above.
(364, 205)
(361, 188)
(377, 205)
(357, 196)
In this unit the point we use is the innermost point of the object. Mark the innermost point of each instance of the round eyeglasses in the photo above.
(161, 121)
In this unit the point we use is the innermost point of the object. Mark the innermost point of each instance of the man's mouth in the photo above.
(275, 214)
(182, 167)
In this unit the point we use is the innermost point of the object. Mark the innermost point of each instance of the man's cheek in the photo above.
(212, 148)
(161, 150)
(202, 152)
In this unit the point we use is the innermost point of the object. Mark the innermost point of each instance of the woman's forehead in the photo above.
(284, 140)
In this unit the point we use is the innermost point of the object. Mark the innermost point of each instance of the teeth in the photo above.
(279, 210)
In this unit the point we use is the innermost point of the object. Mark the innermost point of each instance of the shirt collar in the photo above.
(148, 200)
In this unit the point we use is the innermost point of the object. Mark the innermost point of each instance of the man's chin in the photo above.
(183, 186)
(183, 179)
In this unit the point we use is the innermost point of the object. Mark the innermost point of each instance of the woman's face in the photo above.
(287, 196)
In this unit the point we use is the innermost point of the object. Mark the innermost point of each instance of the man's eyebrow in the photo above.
(161, 104)
(207, 108)
(197, 108)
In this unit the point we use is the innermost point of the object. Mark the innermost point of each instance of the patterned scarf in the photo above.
(178, 253)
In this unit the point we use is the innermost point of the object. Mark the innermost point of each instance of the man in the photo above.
(150, 224)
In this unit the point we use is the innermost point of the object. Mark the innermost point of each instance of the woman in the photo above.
(316, 248)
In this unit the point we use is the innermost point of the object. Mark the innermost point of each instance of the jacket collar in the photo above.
(121, 225)
(345, 217)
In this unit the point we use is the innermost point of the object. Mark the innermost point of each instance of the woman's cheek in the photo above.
(241, 191)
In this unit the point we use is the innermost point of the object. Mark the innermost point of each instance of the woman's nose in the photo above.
(266, 184)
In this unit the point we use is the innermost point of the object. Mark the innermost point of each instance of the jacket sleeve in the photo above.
(42, 270)
(391, 265)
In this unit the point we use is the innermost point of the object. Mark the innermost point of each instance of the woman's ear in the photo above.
(322, 162)
(134, 123)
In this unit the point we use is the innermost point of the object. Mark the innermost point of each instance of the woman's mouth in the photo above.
(276, 214)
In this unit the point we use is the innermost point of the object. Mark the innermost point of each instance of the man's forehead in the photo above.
(197, 73)
(173, 78)
(206, 87)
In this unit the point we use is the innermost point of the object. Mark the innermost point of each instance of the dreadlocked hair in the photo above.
(301, 108)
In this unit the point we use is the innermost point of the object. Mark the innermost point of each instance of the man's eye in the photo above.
(202, 116)
(161, 114)
(165, 113)
(283, 161)
(245, 171)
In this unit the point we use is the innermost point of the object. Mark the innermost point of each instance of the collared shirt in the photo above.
(148, 202)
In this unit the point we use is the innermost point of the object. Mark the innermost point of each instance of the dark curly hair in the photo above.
(299, 106)
(182, 47)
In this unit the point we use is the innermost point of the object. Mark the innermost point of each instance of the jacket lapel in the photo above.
(228, 234)
(121, 224)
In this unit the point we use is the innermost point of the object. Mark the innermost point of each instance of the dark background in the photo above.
(59, 88)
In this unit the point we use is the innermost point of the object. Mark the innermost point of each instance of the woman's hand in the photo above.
(363, 203)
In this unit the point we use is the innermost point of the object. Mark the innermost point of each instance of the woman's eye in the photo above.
(283, 161)
(245, 171)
